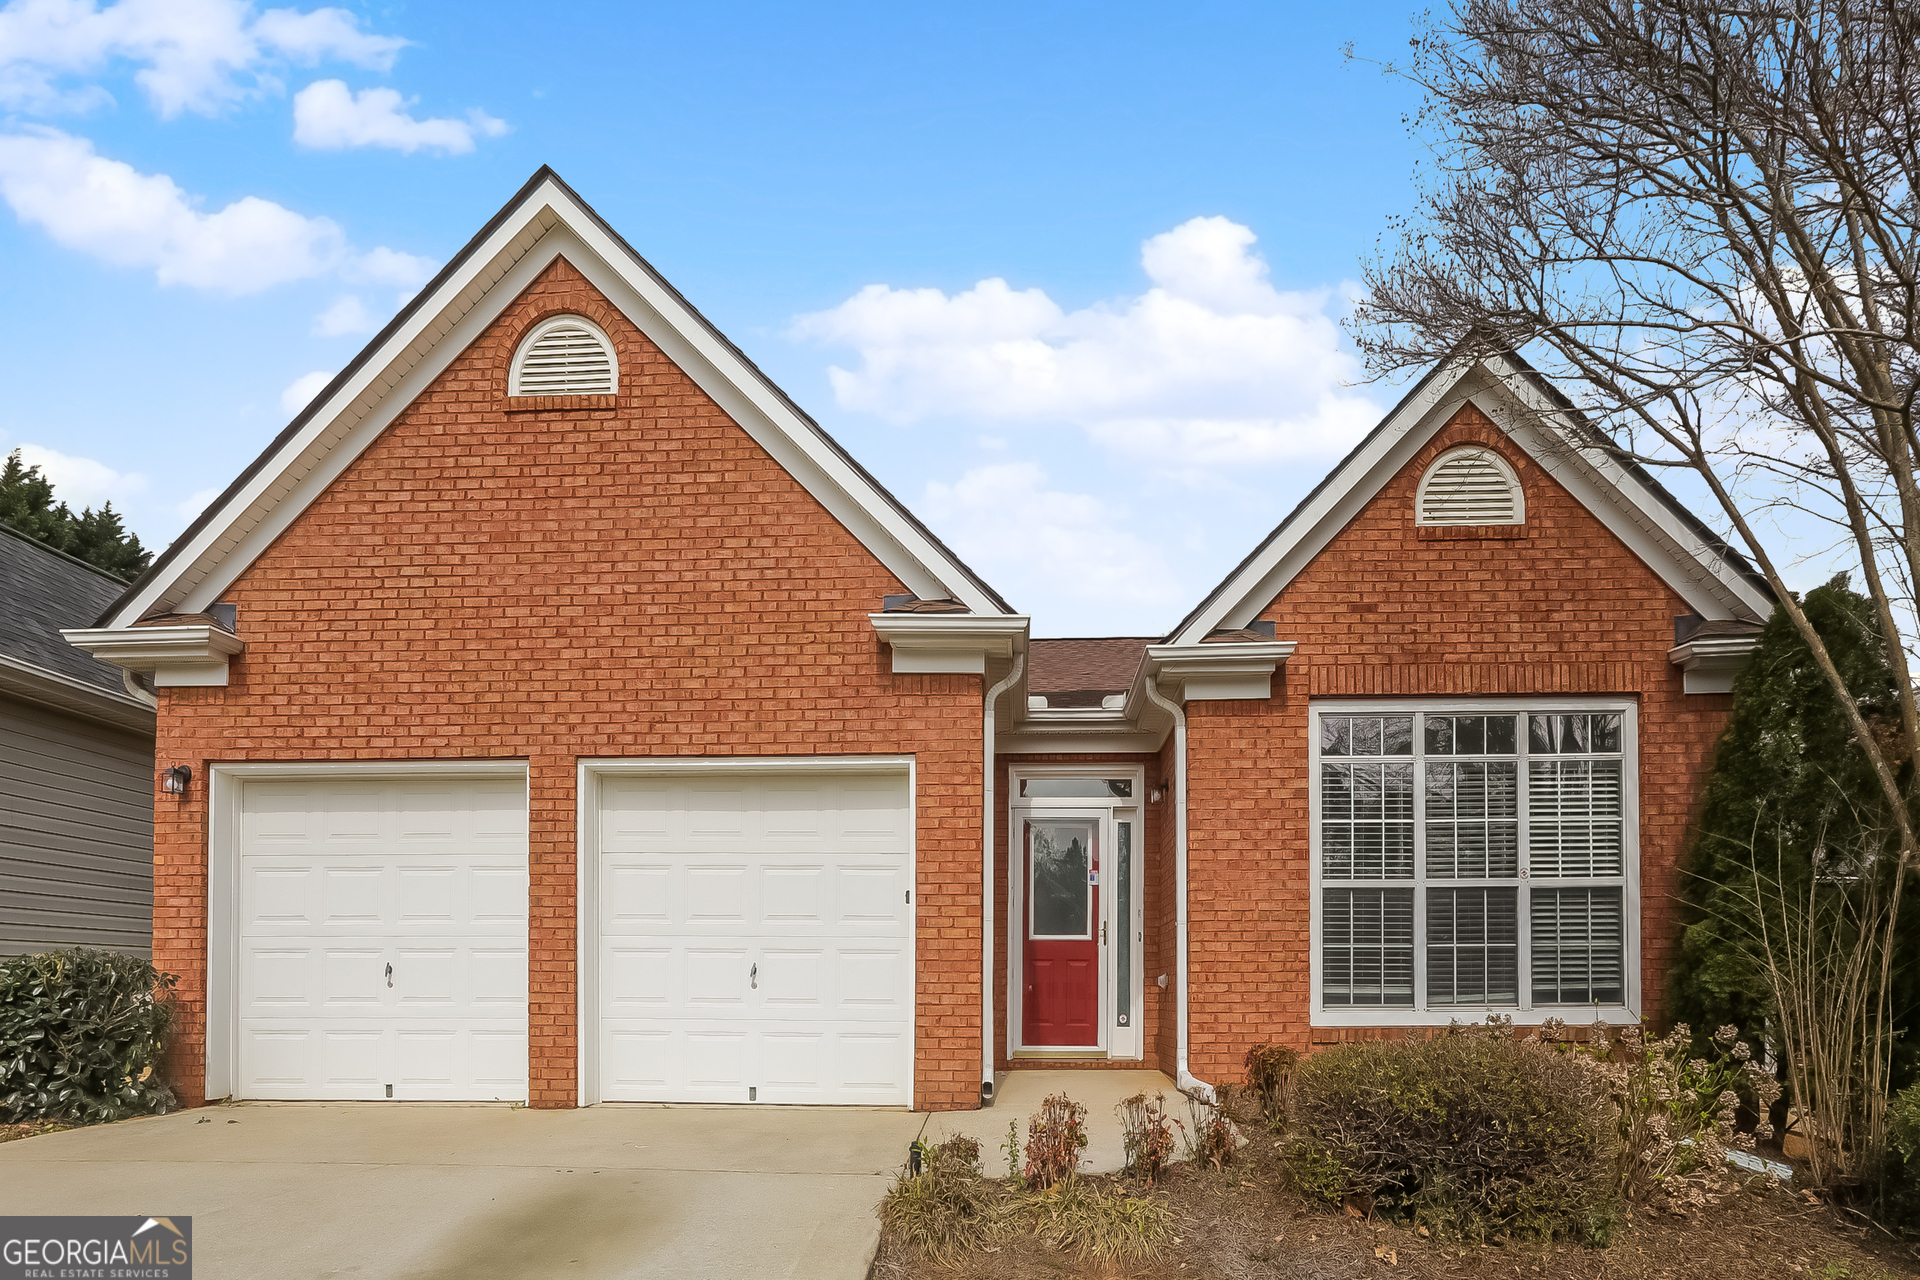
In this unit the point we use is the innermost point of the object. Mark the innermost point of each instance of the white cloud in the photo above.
(110, 210)
(1210, 367)
(190, 508)
(328, 116)
(303, 389)
(193, 55)
(1068, 553)
(83, 482)
(347, 316)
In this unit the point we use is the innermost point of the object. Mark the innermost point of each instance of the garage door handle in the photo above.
(389, 975)
(753, 977)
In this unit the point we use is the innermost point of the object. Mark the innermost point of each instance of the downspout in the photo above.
(987, 882)
(1183, 1078)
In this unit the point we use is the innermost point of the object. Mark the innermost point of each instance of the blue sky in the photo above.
(1066, 277)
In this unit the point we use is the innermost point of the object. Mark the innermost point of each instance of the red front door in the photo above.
(1060, 999)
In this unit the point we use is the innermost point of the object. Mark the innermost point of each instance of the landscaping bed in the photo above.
(1243, 1222)
(31, 1129)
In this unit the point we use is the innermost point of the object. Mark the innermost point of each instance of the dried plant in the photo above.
(1211, 1136)
(1095, 1223)
(947, 1208)
(1147, 1133)
(1675, 1111)
(1055, 1138)
(1269, 1075)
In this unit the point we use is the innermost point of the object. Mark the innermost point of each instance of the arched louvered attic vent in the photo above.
(1470, 486)
(564, 356)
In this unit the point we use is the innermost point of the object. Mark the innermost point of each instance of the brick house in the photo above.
(558, 714)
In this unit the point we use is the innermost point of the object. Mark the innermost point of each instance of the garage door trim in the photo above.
(226, 786)
(587, 869)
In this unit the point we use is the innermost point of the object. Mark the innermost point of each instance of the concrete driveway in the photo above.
(426, 1192)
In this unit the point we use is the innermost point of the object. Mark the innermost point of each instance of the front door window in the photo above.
(1061, 987)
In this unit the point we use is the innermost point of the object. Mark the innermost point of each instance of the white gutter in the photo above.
(987, 956)
(1183, 1078)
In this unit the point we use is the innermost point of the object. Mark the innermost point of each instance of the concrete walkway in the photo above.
(382, 1191)
(423, 1192)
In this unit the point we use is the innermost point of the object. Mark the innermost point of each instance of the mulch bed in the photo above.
(1242, 1223)
(32, 1128)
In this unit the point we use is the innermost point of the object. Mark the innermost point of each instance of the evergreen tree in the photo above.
(27, 503)
(1791, 797)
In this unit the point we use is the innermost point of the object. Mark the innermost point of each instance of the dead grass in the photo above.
(1242, 1224)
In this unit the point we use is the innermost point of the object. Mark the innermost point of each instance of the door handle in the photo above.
(389, 975)
(753, 977)
(1103, 933)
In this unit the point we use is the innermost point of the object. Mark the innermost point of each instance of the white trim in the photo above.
(948, 643)
(191, 655)
(1522, 1013)
(226, 784)
(567, 319)
(1710, 584)
(541, 225)
(1099, 810)
(1710, 664)
(587, 866)
(1516, 492)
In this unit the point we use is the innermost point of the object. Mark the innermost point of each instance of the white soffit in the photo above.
(545, 221)
(1712, 585)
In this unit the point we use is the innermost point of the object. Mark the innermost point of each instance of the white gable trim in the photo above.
(545, 222)
(1711, 585)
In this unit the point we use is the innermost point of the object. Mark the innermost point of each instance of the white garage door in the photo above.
(383, 939)
(754, 939)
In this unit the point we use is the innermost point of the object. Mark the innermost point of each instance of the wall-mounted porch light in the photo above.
(174, 781)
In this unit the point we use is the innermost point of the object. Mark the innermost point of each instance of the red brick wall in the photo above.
(1566, 609)
(637, 579)
(1156, 849)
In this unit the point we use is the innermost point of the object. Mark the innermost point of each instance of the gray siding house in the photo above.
(76, 766)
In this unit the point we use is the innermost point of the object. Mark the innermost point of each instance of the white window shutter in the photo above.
(564, 357)
(1470, 487)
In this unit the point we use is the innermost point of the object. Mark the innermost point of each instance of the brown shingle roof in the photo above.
(1103, 665)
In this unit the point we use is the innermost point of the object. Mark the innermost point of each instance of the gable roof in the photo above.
(41, 591)
(542, 221)
(1715, 580)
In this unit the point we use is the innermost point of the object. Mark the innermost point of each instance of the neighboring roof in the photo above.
(1088, 665)
(543, 220)
(41, 591)
(1715, 580)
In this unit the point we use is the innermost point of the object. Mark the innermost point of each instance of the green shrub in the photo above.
(1472, 1133)
(81, 1033)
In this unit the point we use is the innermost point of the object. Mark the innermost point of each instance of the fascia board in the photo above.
(1308, 530)
(796, 443)
(1203, 673)
(1051, 741)
(948, 644)
(548, 222)
(1709, 583)
(29, 682)
(1510, 396)
(142, 648)
(374, 391)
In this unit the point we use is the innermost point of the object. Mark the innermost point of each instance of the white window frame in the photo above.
(539, 331)
(1505, 468)
(1522, 1013)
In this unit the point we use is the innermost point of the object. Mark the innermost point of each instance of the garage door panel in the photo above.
(383, 940)
(755, 936)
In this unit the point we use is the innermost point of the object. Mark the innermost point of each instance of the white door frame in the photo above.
(1019, 808)
(587, 871)
(226, 785)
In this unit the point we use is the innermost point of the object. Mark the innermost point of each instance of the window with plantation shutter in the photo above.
(1470, 487)
(564, 356)
(1471, 859)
